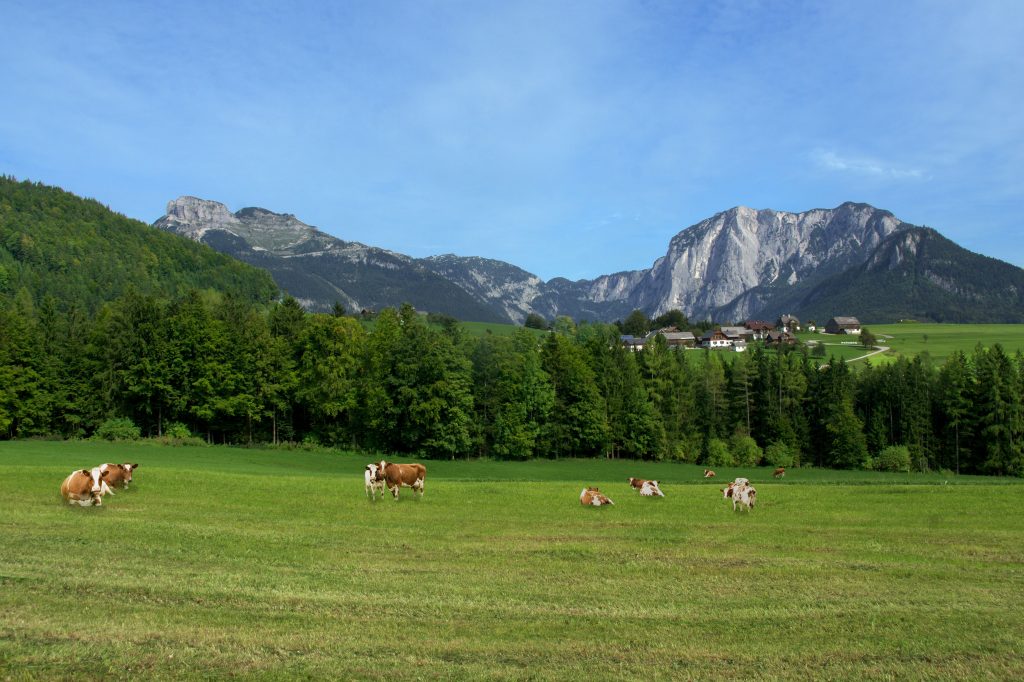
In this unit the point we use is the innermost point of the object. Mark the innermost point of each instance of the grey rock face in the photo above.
(728, 267)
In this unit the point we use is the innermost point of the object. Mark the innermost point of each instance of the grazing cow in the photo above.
(119, 473)
(593, 497)
(744, 495)
(708, 473)
(374, 478)
(397, 475)
(780, 472)
(84, 487)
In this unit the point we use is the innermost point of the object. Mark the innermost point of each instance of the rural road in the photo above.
(878, 349)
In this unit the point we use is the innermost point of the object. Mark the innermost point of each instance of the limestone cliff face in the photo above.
(711, 267)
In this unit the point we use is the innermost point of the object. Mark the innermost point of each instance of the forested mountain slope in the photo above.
(78, 252)
(919, 274)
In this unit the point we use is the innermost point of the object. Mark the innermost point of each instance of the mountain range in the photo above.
(742, 263)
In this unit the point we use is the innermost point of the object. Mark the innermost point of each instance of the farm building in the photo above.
(675, 338)
(735, 334)
(788, 323)
(758, 328)
(776, 338)
(843, 325)
(630, 342)
(715, 339)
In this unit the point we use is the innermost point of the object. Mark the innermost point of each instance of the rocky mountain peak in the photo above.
(192, 216)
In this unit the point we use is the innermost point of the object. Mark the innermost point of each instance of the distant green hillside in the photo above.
(75, 250)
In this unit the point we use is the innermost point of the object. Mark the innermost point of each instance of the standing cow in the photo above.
(374, 479)
(398, 475)
(84, 487)
(742, 494)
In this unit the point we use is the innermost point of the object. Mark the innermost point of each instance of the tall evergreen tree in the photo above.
(577, 426)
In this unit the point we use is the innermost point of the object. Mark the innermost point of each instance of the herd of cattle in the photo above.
(381, 476)
(86, 487)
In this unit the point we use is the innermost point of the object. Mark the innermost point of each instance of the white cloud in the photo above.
(864, 165)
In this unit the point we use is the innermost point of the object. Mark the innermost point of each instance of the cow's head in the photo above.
(727, 491)
(126, 471)
(96, 478)
(376, 472)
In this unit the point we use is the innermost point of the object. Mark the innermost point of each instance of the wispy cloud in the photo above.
(865, 165)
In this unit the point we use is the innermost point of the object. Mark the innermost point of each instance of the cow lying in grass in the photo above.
(742, 494)
(592, 497)
(708, 473)
(646, 488)
(397, 475)
(118, 474)
(85, 487)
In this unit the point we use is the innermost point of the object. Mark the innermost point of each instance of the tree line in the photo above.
(231, 371)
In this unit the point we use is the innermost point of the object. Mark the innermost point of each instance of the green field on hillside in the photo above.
(942, 340)
(224, 562)
(478, 329)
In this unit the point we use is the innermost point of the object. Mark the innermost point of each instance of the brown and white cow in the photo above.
(708, 473)
(374, 479)
(593, 497)
(84, 487)
(646, 488)
(119, 474)
(780, 472)
(742, 494)
(397, 475)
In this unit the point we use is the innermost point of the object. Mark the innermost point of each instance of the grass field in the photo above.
(272, 564)
(942, 340)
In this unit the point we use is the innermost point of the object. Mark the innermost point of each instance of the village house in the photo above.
(715, 339)
(735, 334)
(843, 325)
(788, 323)
(758, 329)
(777, 338)
(631, 343)
(675, 338)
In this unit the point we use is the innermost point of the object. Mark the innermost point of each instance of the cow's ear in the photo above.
(135, 466)
(104, 473)
(86, 472)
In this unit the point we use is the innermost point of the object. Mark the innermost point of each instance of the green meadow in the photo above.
(272, 564)
(942, 340)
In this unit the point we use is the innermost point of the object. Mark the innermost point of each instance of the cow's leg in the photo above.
(394, 491)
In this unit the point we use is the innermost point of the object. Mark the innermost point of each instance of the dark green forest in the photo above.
(230, 371)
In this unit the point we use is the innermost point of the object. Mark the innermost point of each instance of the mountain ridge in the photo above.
(736, 264)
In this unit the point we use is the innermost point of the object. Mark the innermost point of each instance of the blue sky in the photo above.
(569, 138)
